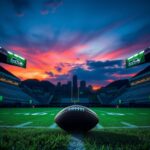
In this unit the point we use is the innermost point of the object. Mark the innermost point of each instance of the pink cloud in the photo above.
(40, 63)
(119, 76)
(110, 80)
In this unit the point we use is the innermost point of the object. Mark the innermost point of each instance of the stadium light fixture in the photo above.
(1, 98)
(11, 58)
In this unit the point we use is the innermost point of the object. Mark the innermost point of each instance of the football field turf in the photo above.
(34, 129)
(44, 117)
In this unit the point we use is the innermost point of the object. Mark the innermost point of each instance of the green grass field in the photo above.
(34, 128)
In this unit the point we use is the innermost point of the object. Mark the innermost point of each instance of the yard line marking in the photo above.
(76, 142)
(127, 127)
(102, 114)
(18, 113)
(33, 114)
(52, 114)
(45, 127)
(129, 113)
(39, 114)
(98, 126)
(26, 114)
(128, 124)
(23, 124)
(115, 114)
(143, 113)
(53, 126)
(27, 127)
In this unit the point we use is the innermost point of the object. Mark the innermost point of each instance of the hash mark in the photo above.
(53, 126)
(23, 124)
(98, 126)
(129, 125)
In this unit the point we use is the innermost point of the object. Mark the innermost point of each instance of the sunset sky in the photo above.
(90, 38)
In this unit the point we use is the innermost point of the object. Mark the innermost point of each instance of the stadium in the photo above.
(121, 107)
(74, 75)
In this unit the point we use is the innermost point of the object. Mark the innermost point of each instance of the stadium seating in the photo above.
(135, 94)
(14, 95)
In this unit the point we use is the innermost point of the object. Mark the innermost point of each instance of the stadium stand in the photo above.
(10, 92)
(111, 91)
(135, 95)
(42, 91)
(14, 95)
(139, 90)
(7, 77)
(69, 100)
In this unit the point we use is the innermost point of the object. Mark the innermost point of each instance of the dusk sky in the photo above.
(90, 38)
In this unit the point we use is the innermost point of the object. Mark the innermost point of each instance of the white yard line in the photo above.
(23, 124)
(98, 126)
(52, 114)
(129, 113)
(76, 142)
(102, 114)
(45, 127)
(143, 113)
(53, 126)
(37, 127)
(27, 127)
(129, 125)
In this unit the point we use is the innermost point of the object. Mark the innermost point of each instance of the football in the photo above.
(76, 118)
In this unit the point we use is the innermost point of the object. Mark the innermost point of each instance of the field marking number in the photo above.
(33, 114)
(115, 114)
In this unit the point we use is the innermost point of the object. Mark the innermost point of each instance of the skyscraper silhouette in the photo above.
(75, 86)
(82, 85)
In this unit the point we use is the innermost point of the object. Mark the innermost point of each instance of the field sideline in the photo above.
(44, 117)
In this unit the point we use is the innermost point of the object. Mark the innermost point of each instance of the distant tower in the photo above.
(82, 85)
(75, 86)
(69, 87)
(90, 87)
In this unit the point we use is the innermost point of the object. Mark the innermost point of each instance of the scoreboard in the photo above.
(139, 58)
(12, 58)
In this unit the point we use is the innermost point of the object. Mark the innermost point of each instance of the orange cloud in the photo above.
(39, 63)
(110, 81)
(96, 87)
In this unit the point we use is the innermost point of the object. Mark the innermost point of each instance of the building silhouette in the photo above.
(82, 85)
(75, 86)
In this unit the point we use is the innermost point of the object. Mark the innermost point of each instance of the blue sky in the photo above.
(67, 34)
